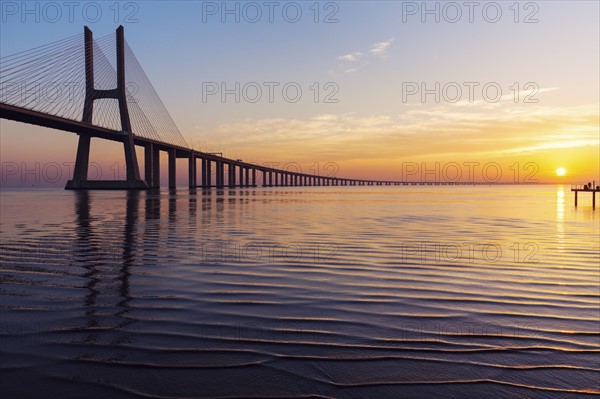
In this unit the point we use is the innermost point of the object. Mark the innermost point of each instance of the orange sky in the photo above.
(371, 130)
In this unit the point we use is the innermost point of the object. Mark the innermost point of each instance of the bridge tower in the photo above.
(80, 172)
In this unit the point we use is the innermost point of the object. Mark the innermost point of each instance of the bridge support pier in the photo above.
(220, 173)
(80, 180)
(231, 175)
(172, 168)
(80, 172)
(152, 166)
(192, 171)
(205, 170)
(155, 167)
(82, 159)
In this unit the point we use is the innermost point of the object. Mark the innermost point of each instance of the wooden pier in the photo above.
(586, 188)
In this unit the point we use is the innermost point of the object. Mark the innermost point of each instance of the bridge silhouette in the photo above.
(103, 104)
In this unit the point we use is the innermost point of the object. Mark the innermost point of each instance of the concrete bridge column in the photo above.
(231, 174)
(152, 165)
(172, 167)
(155, 167)
(82, 160)
(205, 171)
(209, 172)
(219, 174)
(192, 171)
(148, 164)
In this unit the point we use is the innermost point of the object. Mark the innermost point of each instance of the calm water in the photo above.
(350, 292)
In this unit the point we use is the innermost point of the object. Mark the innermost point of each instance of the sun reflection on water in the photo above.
(560, 218)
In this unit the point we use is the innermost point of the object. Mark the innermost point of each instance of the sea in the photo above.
(300, 292)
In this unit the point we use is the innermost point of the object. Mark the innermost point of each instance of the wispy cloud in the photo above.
(380, 49)
(350, 61)
(352, 57)
(417, 134)
(528, 96)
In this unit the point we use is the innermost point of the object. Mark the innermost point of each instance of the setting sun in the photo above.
(561, 171)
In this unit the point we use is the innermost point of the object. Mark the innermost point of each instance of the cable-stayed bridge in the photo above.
(108, 96)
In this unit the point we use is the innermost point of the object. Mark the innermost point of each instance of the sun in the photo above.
(561, 171)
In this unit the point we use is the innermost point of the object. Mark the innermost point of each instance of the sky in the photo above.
(496, 91)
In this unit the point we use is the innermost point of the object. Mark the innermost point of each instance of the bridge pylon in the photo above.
(80, 172)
